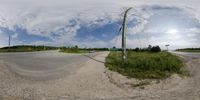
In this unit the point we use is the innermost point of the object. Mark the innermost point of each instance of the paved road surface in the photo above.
(90, 82)
(193, 55)
(44, 64)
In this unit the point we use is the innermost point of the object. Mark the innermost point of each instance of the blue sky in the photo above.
(90, 23)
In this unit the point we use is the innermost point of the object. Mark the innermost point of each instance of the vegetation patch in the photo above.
(76, 49)
(72, 50)
(26, 48)
(31, 48)
(145, 65)
(189, 50)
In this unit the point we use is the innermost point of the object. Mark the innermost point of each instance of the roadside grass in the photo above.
(26, 48)
(73, 51)
(189, 51)
(145, 65)
(19, 50)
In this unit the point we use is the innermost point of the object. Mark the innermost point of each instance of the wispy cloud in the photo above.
(60, 21)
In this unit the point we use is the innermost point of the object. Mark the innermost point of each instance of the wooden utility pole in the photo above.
(124, 37)
(9, 39)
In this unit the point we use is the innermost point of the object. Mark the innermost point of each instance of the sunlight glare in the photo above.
(172, 31)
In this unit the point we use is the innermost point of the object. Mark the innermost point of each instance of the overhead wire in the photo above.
(117, 36)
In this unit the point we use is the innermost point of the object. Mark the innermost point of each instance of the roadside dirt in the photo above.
(175, 87)
(94, 82)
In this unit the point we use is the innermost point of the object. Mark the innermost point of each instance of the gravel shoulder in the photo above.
(94, 82)
(88, 82)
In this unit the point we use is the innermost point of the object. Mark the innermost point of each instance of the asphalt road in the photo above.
(189, 54)
(44, 64)
(90, 81)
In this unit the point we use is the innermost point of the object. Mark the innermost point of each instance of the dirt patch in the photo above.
(175, 81)
(89, 82)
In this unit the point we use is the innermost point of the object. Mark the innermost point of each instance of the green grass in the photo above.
(73, 51)
(20, 50)
(145, 65)
(188, 50)
(26, 48)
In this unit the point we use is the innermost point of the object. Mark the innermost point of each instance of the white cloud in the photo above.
(46, 17)
(14, 36)
(192, 30)
(3, 40)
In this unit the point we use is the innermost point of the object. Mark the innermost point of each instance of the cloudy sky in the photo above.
(95, 23)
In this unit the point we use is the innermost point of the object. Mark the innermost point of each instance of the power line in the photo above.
(117, 36)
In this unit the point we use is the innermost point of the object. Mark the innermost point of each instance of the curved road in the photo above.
(43, 64)
(189, 88)
(51, 64)
(189, 54)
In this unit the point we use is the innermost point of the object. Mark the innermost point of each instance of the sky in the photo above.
(96, 23)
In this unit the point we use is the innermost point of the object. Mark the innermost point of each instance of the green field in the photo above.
(32, 48)
(26, 48)
(145, 65)
(73, 51)
(76, 49)
(188, 50)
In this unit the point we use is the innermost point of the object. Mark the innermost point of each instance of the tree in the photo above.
(137, 49)
(149, 47)
(76, 47)
(155, 49)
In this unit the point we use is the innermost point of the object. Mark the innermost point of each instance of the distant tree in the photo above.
(137, 49)
(155, 49)
(149, 47)
(76, 47)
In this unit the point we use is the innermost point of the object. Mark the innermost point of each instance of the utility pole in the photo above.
(9, 39)
(124, 37)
